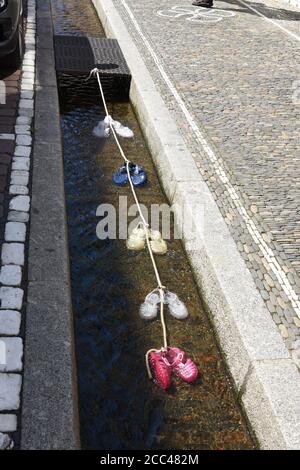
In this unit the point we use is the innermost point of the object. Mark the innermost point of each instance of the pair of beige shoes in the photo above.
(137, 240)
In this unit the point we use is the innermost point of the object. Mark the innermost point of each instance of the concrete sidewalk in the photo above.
(224, 114)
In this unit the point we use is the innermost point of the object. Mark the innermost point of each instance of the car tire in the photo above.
(14, 60)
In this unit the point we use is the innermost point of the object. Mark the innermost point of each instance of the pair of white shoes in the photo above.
(149, 309)
(104, 127)
(137, 240)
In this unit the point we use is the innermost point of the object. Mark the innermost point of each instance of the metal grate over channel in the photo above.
(76, 56)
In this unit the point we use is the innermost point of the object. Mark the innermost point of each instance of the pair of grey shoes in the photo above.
(149, 309)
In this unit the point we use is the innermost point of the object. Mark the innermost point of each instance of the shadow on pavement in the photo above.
(268, 12)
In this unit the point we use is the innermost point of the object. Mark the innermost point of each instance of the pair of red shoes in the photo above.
(173, 360)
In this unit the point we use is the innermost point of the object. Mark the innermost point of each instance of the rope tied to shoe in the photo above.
(161, 288)
(169, 357)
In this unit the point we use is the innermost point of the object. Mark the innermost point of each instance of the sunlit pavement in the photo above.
(235, 68)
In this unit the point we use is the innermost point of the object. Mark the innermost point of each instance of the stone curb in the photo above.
(255, 353)
(49, 408)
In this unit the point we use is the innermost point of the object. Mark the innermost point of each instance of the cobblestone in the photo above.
(22, 120)
(23, 139)
(5, 442)
(297, 321)
(22, 164)
(14, 355)
(22, 129)
(10, 322)
(27, 104)
(8, 423)
(22, 151)
(20, 177)
(17, 189)
(11, 275)
(20, 203)
(283, 330)
(10, 389)
(15, 232)
(11, 298)
(18, 216)
(13, 253)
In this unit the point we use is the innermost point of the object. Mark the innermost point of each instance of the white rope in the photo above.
(145, 224)
(95, 72)
(162, 319)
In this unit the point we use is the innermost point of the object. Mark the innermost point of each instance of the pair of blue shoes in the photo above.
(137, 173)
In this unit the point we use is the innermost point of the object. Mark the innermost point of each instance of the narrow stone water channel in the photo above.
(119, 407)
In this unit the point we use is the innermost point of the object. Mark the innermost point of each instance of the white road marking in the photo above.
(7, 136)
(217, 163)
(195, 14)
(277, 25)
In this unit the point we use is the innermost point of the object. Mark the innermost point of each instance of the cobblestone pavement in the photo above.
(231, 79)
(16, 115)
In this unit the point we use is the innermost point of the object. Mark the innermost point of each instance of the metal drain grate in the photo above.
(78, 55)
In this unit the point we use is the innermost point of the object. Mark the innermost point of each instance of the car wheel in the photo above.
(15, 59)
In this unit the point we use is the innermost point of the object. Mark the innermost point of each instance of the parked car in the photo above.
(12, 31)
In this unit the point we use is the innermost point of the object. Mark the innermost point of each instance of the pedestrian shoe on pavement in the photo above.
(176, 307)
(161, 369)
(148, 310)
(203, 3)
(183, 367)
(137, 239)
(137, 174)
(158, 245)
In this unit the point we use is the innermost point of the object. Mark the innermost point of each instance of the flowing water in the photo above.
(119, 407)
